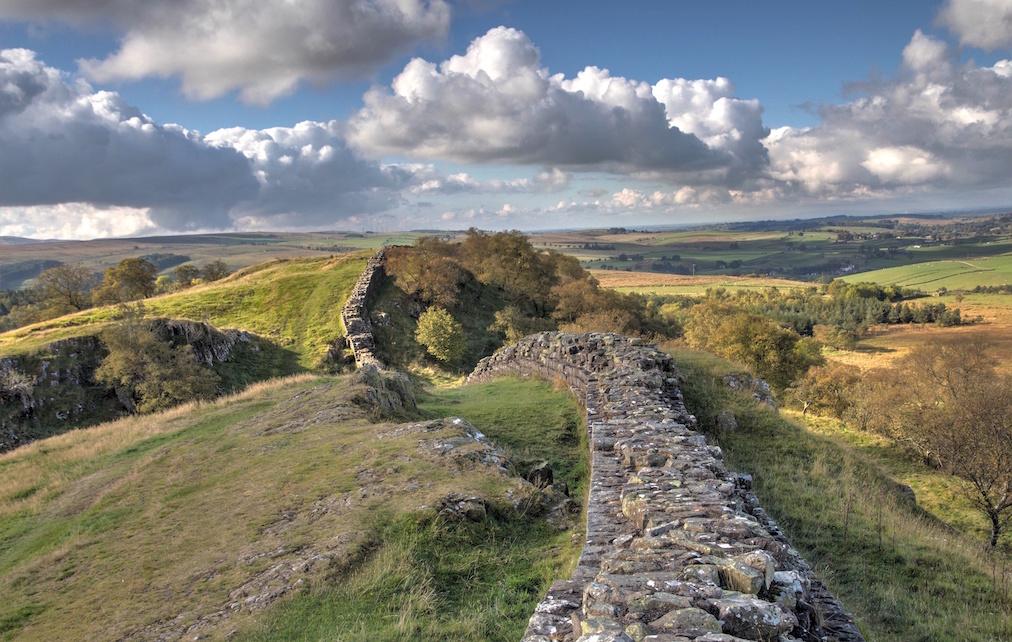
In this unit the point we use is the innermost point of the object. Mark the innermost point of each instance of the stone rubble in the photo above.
(677, 547)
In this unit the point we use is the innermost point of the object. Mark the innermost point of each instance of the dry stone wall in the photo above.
(677, 548)
(358, 327)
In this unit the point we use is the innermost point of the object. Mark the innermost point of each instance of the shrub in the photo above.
(148, 373)
(441, 334)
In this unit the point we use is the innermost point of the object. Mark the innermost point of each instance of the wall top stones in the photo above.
(355, 314)
(677, 548)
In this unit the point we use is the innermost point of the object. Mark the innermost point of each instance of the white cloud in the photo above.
(497, 103)
(74, 220)
(979, 23)
(308, 176)
(938, 124)
(262, 49)
(551, 180)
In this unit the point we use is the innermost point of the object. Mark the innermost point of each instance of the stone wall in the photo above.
(358, 327)
(677, 548)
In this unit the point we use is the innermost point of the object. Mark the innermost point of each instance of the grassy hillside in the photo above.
(22, 262)
(293, 303)
(198, 518)
(905, 574)
(953, 275)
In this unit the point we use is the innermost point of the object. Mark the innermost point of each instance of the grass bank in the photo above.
(153, 525)
(905, 575)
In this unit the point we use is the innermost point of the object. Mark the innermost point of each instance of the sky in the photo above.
(130, 117)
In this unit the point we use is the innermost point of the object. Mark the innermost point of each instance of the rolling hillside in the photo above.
(294, 303)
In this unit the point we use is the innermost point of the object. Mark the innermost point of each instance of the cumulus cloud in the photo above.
(62, 142)
(551, 180)
(262, 49)
(496, 102)
(308, 176)
(979, 23)
(940, 122)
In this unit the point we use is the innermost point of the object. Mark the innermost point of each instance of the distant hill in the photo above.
(18, 240)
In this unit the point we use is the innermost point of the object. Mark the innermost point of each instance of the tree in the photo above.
(148, 373)
(777, 354)
(65, 288)
(129, 280)
(957, 413)
(515, 325)
(214, 271)
(185, 274)
(828, 389)
(441, 334)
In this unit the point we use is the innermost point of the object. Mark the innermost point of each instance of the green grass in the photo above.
(295, 304)
(950, 274)
(108, 530)
(541, 429)
(905, 575)
(429, 580)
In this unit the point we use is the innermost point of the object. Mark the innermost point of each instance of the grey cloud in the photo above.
(262, 49)
(62, 142)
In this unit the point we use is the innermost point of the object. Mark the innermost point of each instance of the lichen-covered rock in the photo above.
(677, 548)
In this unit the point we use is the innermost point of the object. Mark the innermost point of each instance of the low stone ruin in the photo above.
(677, 547)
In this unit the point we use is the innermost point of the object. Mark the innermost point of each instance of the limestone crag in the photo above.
(358, 327)
(677, 547)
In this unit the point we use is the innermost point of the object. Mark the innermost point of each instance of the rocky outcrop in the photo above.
(677, 548)
(357, 326)
(54, 390)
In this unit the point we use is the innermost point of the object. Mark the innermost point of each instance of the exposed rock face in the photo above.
(54, 389)
(210, 345)
(677, 547)
(357, 323)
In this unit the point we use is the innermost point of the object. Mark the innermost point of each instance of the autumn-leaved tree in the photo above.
(953, 406)
(214, 271)
(777, 354)
(149, 373)
(441, 334)
(128, 280)
(65, 288)
(186, 274)
(829, 389)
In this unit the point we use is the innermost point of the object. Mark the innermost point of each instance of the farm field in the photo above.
(888, 343)
(673, 284)
(950, 274)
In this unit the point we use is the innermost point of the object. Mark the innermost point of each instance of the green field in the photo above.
(949, 274)
(295, 304)
(155, 523)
